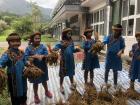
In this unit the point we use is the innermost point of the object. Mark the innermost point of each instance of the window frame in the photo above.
(128, 17)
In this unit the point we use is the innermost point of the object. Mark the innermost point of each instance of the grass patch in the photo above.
(48, 38)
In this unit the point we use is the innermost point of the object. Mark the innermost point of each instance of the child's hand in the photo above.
(96, 35)
(28, 63)
(119, 53)
(49, 47)
(130, 54)
(40, 57)
(84, 37)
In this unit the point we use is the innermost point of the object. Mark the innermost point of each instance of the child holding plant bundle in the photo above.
(115, 47)
(14, 60)
(91, 61)
(38, 53)
(135, 65)
(67, 64)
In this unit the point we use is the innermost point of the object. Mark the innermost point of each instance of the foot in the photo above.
(36, 99)
(73, 86)
(115, 86)
(48, 94)
(92, 84)
(62, 90)
(107, 85)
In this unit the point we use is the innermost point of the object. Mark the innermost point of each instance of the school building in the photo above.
(100, 14)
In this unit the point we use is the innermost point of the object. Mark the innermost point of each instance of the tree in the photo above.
(36, 17)
(3, 25)
(23, 26)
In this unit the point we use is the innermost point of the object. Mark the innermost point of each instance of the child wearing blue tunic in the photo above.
(38, 52)
(115, 47)
(90, 61)
(135, 65)
(14, 60)
(67, 64)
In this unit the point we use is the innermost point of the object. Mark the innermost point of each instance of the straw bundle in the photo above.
(52, 58)
(97, 47)
(33, 72)
(3, 79)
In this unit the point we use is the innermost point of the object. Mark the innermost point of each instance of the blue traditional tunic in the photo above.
(135, 65)
(67, 64)
(40, 50)
(90, 61)
(15, 68)
(113, 61)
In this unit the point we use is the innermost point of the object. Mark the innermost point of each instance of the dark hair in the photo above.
(86, 33)
(118, 25)
(13, 36)
(64, 36)
(33, 35)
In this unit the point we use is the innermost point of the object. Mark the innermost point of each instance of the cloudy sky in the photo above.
(45, 3)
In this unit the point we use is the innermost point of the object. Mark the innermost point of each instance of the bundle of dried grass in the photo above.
(52, 58)
(3, 79)
(97, 47)
(90, 94)
(104, 94)
(32, 72)
(130, 93)
(119, 97)
(75, 98)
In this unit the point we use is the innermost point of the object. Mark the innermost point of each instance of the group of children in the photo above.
(16, 60)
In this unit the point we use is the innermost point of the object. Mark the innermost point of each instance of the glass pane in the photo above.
(102, 15)
(102, 29)
(98, 16)
(96, 28)
(130, 27)
(124, 27)
(95, 18)
(138, 25)
(131, 7)
(125, 8)
(138, 7)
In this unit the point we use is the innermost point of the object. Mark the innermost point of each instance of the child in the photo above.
(67, 65)
(38, 52)
(115, 47)
(13, 58)
(135, 66)
(90, 61)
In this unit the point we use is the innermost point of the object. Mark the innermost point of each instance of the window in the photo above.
(138, 25)
(102, 29)
(130, 27)
(132, 7)
(138, 7)
(124, 24)
(96, 28)
(102, 15)
(98, 23)
(125, 8)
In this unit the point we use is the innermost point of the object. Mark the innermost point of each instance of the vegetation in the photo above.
(24, 25)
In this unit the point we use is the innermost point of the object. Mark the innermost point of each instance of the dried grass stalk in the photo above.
(52, 58)
(90, 94)
(119, 97)
(104, 94)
